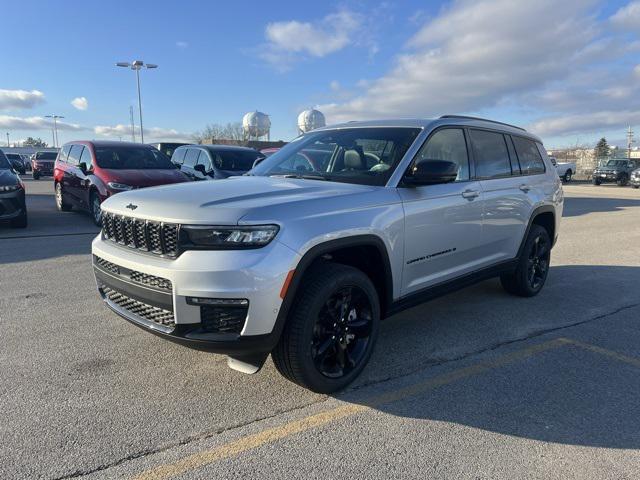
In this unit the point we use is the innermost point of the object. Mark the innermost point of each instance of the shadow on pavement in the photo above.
(576, 206)
(566, 394)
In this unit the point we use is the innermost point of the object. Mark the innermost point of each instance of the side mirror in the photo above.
(83, 168)
(431, 172)
(200, 168)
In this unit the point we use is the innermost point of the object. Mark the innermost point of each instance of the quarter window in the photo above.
(178, 156)
(75, 154)
(64, 153)
(448, 144)
(530, 160)
(191, 157)
(492, 157)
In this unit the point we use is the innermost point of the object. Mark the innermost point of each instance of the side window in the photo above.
(86, 157)
(448, 144)
(492, 157)
(203, 159)
(75, 154)
(178, 156)
(191, 157)
(64, 153)
(530, 160)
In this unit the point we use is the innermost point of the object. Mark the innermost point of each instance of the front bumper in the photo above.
(606, 176)
(12, 204)
(169, 310)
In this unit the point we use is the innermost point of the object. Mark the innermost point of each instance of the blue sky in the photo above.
(569, 71)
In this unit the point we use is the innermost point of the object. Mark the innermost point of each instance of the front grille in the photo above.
(106, 265)
(145, 235)
(141, 309)
(223, 319)
(151, 280)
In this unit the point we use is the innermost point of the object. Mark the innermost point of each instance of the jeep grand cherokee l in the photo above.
(303, 262)
(87, 173)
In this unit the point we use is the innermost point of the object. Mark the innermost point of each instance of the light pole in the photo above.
(55, 128)
(7, 139)
(136, 65)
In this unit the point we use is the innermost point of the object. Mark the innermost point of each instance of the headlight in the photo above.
(230, 238)
(10, 188)
(119, 186)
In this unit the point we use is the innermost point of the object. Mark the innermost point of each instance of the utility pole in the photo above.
(55, 128)
(630, 140)
(133, 125)
(136, 66)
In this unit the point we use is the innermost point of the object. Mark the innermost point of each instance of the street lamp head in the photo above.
(123, 64)
(151, 65)
(137, 63)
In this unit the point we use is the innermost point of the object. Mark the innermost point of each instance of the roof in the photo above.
(430, 123)
(111, 143)
(224, 147)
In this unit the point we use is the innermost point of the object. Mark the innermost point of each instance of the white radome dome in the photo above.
(310, 120)
(256, 124)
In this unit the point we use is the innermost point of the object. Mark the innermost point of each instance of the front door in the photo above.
(443, 223)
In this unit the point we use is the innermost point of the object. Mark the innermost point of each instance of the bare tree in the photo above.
(231, 132)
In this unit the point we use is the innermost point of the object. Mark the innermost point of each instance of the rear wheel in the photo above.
(61, 204)
(331, 331)
(623, 181)
(567, 176)
(533, 265)
(35, 175)
(95, 210)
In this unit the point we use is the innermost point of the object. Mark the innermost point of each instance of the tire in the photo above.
(20, 222)
(35, 175)
(636, 186)
(309, 331)
(596, 182)
(567, 176)
(60, 203)
(623, 181)
(94, 209)
(533, 265)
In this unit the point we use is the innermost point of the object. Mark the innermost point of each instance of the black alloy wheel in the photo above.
(538, 262)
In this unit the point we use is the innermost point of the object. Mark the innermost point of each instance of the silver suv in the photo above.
(344, 226)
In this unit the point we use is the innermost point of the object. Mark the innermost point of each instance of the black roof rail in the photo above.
(483, 120)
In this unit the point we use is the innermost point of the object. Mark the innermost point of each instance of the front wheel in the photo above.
(596, 181)
(21, 221)
(95, 210)
(331, 330)
(623, 181)
(533, 265)
(35, 175)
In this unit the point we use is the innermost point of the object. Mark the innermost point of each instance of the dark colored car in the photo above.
(618, 171)
(635, 178)
(16, 162)
(88, 172)
(168, 147)
(42, 164)
(206, 162)
(12, 199)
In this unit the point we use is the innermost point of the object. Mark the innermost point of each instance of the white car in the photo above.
(565, 169)
(303, 257)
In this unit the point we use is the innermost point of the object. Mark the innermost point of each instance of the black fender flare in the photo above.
(537, 211)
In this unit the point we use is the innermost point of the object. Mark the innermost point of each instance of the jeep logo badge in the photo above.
(132, 206)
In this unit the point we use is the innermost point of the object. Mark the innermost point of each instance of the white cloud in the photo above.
(35, 123)
(18, 99)
(473, 55)
(81, 103)
(627, 17)
(154, 133)
(582, 123)
(182, 44)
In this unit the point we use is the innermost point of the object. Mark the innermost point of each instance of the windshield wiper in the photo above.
(306, 177)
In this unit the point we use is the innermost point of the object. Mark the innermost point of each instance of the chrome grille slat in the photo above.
(146, 235)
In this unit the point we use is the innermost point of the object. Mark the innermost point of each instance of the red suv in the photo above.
(86, 173)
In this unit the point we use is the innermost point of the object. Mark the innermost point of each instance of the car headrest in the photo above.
(352, 160)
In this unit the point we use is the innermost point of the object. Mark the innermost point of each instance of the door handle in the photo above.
(470, 194)
(525, 188)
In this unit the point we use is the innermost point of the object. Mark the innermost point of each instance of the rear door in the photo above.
(190, 160)
(73, 188)
(205, 161)
(506, 203)
(443, 223)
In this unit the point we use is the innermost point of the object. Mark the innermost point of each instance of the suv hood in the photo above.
(225, 202)
(143, 178)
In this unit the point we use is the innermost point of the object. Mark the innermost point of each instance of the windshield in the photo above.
(138, 158)
(46, 155)
(4, 163)
(352, 155)
(235, 160)
(616, 163)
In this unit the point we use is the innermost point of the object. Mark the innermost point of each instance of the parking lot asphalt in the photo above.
(476, 384)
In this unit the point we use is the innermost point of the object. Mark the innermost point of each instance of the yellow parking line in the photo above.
(250, 442)
(606, 352)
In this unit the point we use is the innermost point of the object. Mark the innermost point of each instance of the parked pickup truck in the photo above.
(565, 169)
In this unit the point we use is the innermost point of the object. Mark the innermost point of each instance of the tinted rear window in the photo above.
(46, 155)
(530, 160)
(235, 160)
(492, 156)
(124, 158)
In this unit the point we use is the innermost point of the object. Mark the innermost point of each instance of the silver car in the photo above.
(344, 226)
